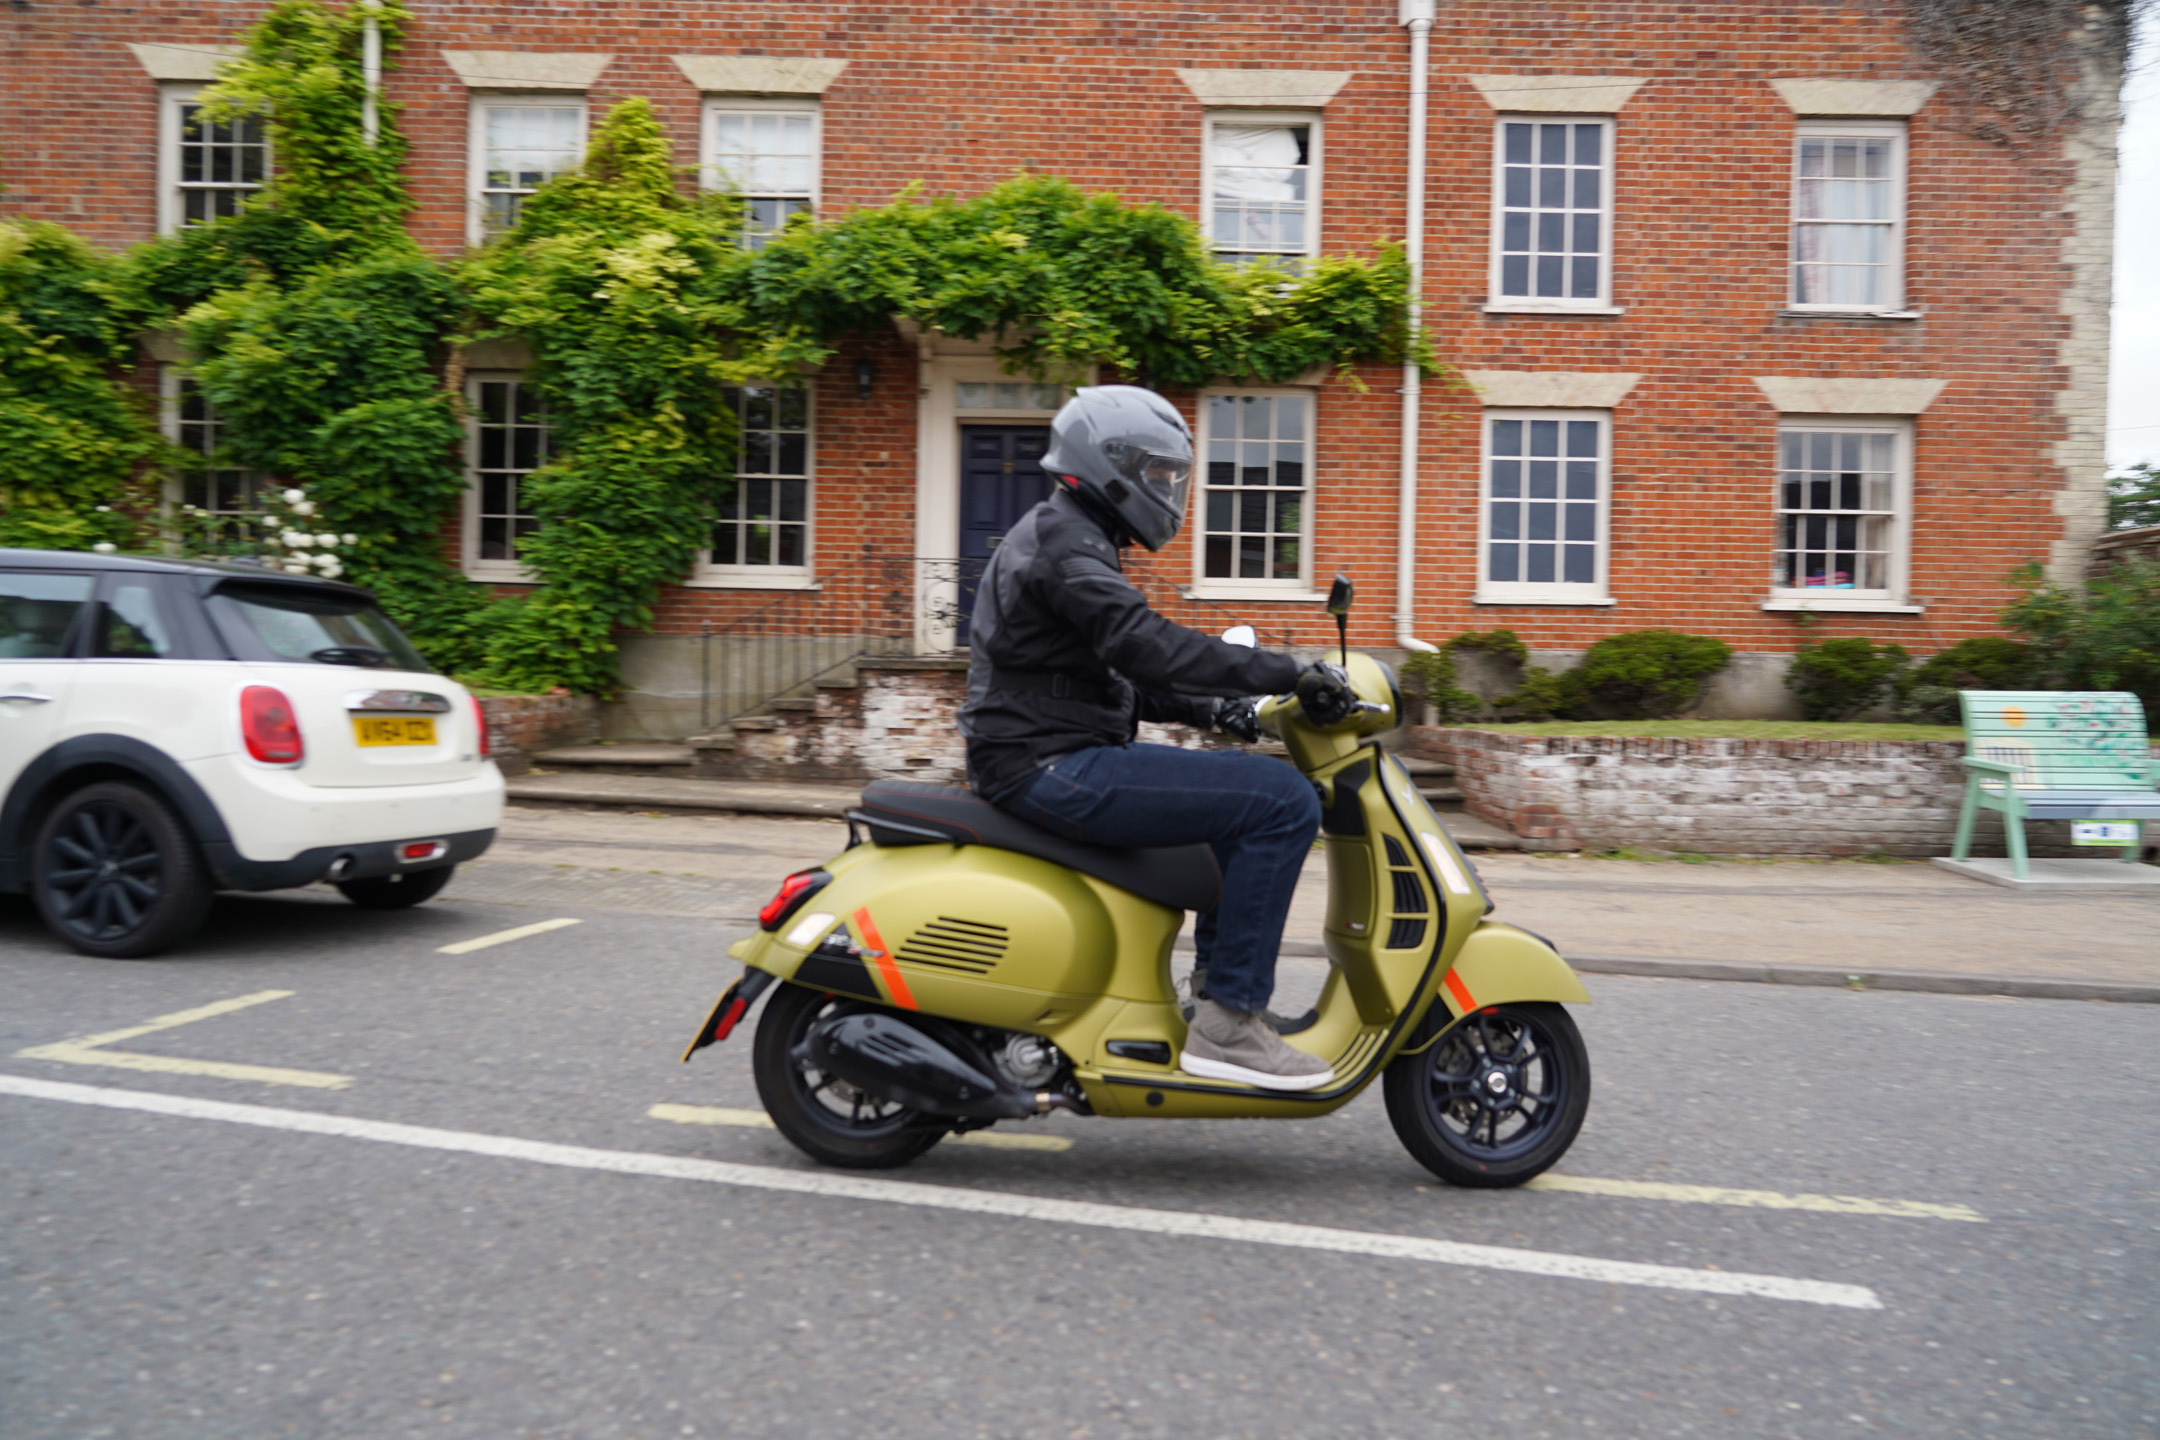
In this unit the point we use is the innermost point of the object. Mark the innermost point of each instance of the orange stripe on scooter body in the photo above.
(1459, 993)
(874, 947)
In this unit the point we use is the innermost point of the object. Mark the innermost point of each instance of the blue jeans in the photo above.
(1258, 815)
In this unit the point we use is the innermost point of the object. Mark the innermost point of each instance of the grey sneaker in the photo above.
(1193, 989)
(1238, 1045)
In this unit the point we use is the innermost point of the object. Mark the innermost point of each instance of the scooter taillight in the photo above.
(793, 892)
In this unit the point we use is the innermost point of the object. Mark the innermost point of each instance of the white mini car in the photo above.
(169, 728)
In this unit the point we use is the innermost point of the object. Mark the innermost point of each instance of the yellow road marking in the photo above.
(1759, 1199)
(759, 1120)
(502, 937)
(90, 1049)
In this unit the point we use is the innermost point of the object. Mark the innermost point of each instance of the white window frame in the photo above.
(1896, 131)
(499, 571)
(171, 379)
(1556, 592)
(707, 575)
(1224, 587)
(1602, 303)
(171, 213)
(476, 191)
(1890, 599)
(709, 164)
(1315, 185)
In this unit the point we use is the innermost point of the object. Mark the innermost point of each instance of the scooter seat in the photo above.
(896, 812)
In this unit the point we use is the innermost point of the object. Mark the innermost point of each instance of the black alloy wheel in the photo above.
(1496, 1099)
(115, 874)
(822, 1115)
(400, 891)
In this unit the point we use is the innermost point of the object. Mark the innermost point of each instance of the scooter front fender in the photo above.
(1500, 965)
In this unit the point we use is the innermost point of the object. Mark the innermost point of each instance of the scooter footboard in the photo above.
(1499, 965)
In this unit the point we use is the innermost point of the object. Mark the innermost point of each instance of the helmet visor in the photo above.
(1166, 479)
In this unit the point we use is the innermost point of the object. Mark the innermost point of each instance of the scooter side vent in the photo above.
(1407, 933)
(968, 946)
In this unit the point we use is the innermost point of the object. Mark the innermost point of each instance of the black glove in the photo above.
(1324, 694)
(1239, 719)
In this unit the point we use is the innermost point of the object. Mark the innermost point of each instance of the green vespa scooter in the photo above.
(955, 967)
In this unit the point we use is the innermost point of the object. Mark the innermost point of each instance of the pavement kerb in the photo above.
(1933, 982)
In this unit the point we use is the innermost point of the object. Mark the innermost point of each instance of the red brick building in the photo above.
(1750, 327)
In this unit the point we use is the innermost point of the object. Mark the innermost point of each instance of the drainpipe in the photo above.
(1417, 17)
(370, 70)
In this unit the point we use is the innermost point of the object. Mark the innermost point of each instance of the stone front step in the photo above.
(618, 791)
(640, 760)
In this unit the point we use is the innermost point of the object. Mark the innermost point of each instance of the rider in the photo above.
(1068, 659)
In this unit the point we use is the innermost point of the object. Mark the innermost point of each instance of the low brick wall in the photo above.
(899, 721)
(519, 725)
(1721, 797)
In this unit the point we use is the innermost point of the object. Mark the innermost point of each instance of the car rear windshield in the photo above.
(296, 622)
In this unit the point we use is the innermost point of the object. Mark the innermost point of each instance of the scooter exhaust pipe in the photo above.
(907, 1064)
(1048, 1100)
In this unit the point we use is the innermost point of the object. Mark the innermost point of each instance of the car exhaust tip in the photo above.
(338, 869)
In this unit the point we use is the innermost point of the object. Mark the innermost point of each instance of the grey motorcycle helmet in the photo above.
(1128, 454)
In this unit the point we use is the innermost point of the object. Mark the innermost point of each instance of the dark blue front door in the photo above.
(1001, 479)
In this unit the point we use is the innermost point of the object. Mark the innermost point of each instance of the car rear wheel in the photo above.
(401, 891)
(115, 874)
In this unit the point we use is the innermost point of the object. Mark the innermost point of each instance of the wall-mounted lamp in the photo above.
(865, 379)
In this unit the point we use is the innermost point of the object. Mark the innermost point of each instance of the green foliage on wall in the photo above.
(619, 283)
(320, 330)
(1061, 277)
(73, 437)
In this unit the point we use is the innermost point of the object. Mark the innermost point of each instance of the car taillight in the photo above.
(269, 727)
(480, 719)
(793, 891)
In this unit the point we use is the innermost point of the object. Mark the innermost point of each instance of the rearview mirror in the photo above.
(1243, 635)
(1339, 596)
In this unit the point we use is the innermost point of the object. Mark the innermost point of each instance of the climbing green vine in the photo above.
(617, 282)
(73, 436)
(320, 330)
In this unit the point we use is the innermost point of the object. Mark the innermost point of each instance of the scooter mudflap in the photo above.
(728, 1011)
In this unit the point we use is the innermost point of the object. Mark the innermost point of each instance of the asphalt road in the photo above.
(220, 1273)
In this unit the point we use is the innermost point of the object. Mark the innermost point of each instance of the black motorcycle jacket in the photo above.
(1067, 654)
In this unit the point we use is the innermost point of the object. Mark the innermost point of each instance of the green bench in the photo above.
(2056, 755)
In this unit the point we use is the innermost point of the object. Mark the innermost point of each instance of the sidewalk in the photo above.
(1894, 926)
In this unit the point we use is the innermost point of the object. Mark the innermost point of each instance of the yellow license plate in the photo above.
(393, 730)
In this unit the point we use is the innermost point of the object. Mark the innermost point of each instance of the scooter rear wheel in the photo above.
(822, 1115)
(1497, 1099)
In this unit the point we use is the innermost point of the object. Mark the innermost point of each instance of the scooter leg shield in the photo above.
(1501, 965)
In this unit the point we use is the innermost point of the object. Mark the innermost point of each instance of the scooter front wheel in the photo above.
(822, 1115)
(1496, 1099)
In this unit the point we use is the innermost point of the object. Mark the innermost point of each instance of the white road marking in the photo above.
(759, 1120)
(952, 1197)
(1760, 1199)
(504, 937)
(90, 1049)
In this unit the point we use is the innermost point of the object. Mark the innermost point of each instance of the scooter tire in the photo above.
(820, 1132)
(1433, 1093)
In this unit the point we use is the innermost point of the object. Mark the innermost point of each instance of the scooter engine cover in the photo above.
(899, 1062)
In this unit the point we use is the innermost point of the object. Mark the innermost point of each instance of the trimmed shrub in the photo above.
(1839, 679)
(1927, 693)
(2104, 637)
(1643, 674)
(1431, 674)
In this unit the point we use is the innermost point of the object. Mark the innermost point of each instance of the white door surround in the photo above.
(942, 364)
